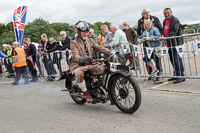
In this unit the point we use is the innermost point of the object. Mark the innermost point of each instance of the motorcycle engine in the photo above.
(98, 91)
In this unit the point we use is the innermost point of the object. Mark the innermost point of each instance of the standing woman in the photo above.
(151, 35)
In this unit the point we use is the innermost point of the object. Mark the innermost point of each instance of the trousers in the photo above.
(21, 71)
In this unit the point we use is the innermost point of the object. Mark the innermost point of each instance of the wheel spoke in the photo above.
(132, 97)
(118, 97)
(130, 103)
(115, 81)
(126, 103)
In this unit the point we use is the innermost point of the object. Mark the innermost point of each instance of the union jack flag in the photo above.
(19, 19)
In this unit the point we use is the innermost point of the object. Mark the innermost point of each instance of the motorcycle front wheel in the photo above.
(125, 93)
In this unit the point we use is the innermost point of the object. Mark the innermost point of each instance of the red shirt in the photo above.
(166, 30)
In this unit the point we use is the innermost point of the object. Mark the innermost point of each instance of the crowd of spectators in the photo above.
(149, 32)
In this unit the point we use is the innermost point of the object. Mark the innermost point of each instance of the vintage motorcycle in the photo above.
(112, 82)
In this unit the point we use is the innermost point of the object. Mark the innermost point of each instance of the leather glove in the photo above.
(84, 60)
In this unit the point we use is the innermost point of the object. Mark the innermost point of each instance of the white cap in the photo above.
(4, 45)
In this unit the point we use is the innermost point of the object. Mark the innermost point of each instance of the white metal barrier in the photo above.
(55, 63)
(185, 58)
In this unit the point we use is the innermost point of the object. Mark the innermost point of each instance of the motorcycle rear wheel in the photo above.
(76, 90)
(77, 99)
(125, 93)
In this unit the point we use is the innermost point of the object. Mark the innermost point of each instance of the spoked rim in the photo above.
(124, 92)
(78, 96)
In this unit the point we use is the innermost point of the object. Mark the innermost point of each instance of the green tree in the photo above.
(196, 27)
(36, 28)
(62, 27)
(7, 35)
(39, 26)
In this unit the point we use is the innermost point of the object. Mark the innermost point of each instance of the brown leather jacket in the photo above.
(77, 48)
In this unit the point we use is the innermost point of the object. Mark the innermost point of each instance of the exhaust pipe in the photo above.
(78, 95)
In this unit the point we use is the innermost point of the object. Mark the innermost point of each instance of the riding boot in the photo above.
(82, 86)
(88, 96)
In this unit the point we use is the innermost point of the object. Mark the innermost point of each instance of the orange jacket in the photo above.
(21, 58)
(101, 39)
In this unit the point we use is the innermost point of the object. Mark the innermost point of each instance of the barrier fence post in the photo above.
(41, 62)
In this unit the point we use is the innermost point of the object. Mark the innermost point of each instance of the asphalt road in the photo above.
(43, 108)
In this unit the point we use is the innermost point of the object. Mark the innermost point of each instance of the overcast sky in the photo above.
(114, 11)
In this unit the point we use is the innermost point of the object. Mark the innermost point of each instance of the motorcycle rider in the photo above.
(82, 49)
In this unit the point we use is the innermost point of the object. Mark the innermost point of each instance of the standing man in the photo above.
(8, 63)
(45, 45)
(53, 47)
(140, 29)
(20, 64)
(82, 52)
(172, 27)
(131, 35)
(147, 16)
(65, 45)
(44, 42)
(38, 59)
(9, 50)
(93, 36)
(5, 49)
(95, 39)
(118, 39)
(31, 58)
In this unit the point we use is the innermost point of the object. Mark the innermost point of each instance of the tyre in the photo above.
(76, 93)
(125, 93)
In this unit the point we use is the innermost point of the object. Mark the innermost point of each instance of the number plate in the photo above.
(113, 66)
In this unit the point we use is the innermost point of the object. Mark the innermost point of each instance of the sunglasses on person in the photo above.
(62, 34)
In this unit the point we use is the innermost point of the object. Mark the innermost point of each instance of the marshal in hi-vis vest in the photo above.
(21, 58)
(9, 52)
(101, 39)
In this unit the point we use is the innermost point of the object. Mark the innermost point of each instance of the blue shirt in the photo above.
(2, 54)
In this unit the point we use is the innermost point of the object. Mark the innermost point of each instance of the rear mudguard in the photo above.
(68, 80)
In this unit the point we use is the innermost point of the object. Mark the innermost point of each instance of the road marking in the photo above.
(6, 82)
(159, 85)
(168, 90)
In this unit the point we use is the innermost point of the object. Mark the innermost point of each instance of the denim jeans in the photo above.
(177, 62)
(49, 66)
(157, 61)
(21, 70)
